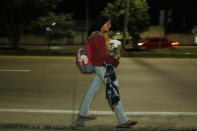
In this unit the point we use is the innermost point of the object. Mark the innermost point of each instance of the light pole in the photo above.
(126, 34)
(162, 25)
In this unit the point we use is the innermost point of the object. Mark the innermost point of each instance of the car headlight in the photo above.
(140, 44)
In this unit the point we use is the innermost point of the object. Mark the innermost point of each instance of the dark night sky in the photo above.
(181, 8)
(185, 11)
(78, 7)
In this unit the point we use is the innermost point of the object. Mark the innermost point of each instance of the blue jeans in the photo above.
(97, 81)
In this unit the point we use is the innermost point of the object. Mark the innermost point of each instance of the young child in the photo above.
(113, 46)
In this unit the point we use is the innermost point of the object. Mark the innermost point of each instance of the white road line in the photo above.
(15, 70)
(98, 112)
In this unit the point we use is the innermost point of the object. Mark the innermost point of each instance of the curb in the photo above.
(92, 128)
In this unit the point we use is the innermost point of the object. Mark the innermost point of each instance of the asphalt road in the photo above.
(146, 85)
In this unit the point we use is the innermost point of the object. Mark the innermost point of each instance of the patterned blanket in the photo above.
(112, 91)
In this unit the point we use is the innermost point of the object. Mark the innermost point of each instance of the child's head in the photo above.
(114, 47)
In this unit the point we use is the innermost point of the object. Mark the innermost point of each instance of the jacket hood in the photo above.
(94, 34)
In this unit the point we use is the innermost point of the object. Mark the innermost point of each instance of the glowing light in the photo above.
(175, 43)
(53, 24)
(140, 44)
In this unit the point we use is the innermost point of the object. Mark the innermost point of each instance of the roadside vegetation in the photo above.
(157, 53)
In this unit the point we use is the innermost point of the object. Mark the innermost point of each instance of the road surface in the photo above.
(54, 84)
(164, 85)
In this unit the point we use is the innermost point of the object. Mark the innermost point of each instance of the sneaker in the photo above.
(89, 117)
(129, 123)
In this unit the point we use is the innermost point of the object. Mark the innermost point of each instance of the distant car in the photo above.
(157, 42)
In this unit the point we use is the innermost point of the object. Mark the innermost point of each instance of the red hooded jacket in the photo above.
(100, 56)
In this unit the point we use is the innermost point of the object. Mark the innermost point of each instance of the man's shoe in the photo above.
(89, 117)
(129, 123)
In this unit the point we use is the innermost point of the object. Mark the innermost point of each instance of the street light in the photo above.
(53, 24)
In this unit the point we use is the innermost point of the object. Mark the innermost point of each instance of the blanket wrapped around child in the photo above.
(112, 90)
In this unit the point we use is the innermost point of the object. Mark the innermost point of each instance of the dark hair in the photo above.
(98, 22)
